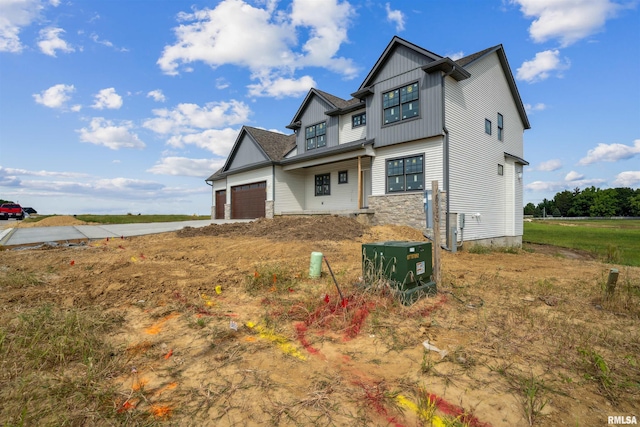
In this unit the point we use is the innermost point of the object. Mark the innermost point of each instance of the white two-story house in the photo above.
(416, 118)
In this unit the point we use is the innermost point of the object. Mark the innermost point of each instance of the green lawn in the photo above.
(616, 241)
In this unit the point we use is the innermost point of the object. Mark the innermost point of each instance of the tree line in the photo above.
(591, 201)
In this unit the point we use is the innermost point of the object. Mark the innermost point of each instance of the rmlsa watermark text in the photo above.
(622, 420)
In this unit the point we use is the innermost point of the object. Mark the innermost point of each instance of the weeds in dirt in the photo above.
(56, 367)
(613, 254)
(18, 279)
(532, 400)
(598, 370)
(271, 278)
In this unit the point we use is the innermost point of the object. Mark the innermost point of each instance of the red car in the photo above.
(11, 210)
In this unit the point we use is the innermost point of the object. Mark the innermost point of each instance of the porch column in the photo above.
(359, 183)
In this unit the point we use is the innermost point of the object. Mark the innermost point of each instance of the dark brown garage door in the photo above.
(221, 199)
(247, 201)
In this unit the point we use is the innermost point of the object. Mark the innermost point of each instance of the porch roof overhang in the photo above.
(350, 150)
(516, 159)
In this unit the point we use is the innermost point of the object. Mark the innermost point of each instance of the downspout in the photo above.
(445, 161)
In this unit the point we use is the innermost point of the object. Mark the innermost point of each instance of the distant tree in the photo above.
(604, 203)
(5, 201)
(563, 202)
(582, 202)
(545, 207)
(623, 201)
(530, 209)
(556, 212)
(634, 204)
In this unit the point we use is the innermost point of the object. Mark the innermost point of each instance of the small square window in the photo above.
(343, 177)
(487, 126)
(358, 120)
(500, 170)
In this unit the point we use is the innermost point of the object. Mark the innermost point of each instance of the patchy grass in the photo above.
(613, 241)
(56, 368)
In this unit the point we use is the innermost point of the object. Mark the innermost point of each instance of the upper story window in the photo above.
(401, 104)
(358, 120)
(487, 126)
(500, 127)
(406, 174)
(316, 135)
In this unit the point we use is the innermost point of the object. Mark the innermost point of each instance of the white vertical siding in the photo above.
(475, 185)
(349, 133)
(432, 150)
(256, 175)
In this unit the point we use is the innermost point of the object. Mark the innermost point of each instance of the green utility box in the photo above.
(406, 265)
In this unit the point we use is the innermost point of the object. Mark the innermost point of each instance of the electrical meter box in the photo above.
(406, 265)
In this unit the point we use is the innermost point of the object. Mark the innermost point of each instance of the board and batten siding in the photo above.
(475, 186)
(313, 113)
(432, 150)
(249, 177)
(247, 153)
(290, 191)
(347, 132)
(403, 68)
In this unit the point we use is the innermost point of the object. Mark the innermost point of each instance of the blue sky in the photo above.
(114, 106)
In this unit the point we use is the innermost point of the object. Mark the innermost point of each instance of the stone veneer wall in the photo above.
(399, 209)
(268, 209)
(227, 211)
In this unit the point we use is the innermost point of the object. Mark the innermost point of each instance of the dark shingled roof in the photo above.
(336, 101)
(275, 145)
(470, 58)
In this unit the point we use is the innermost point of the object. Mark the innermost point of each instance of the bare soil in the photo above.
(224, 327)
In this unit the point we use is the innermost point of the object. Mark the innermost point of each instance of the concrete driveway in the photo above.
(10, 236)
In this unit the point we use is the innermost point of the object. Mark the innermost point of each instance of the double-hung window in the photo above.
(406, 174)
(401, 104)
(358, 120)
(323, 184)
(316, 135)
(500, 127)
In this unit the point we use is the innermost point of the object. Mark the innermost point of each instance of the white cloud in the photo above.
(542, 66)
(182, 166)
(566, 20)
(105, 132)
(50, 41)
(41, 173)
(611, 153)
(533, 108)
(282, 87)
(107, 98)
(549, 165)
(76, 108)
(217, 141)
(107, 43)
(627, 179)
(15, 15)
(455, 55)
(56, 96)
(573, 176)
(221, 83)
(395, 16)
(262, 39)
(556, 186)
(157, 95)
(191, 117)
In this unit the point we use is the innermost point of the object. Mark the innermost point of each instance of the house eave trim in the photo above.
(516, 159)
(447, 65)
(344, 148)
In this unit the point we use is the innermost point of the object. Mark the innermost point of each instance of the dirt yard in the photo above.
(222, 326)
